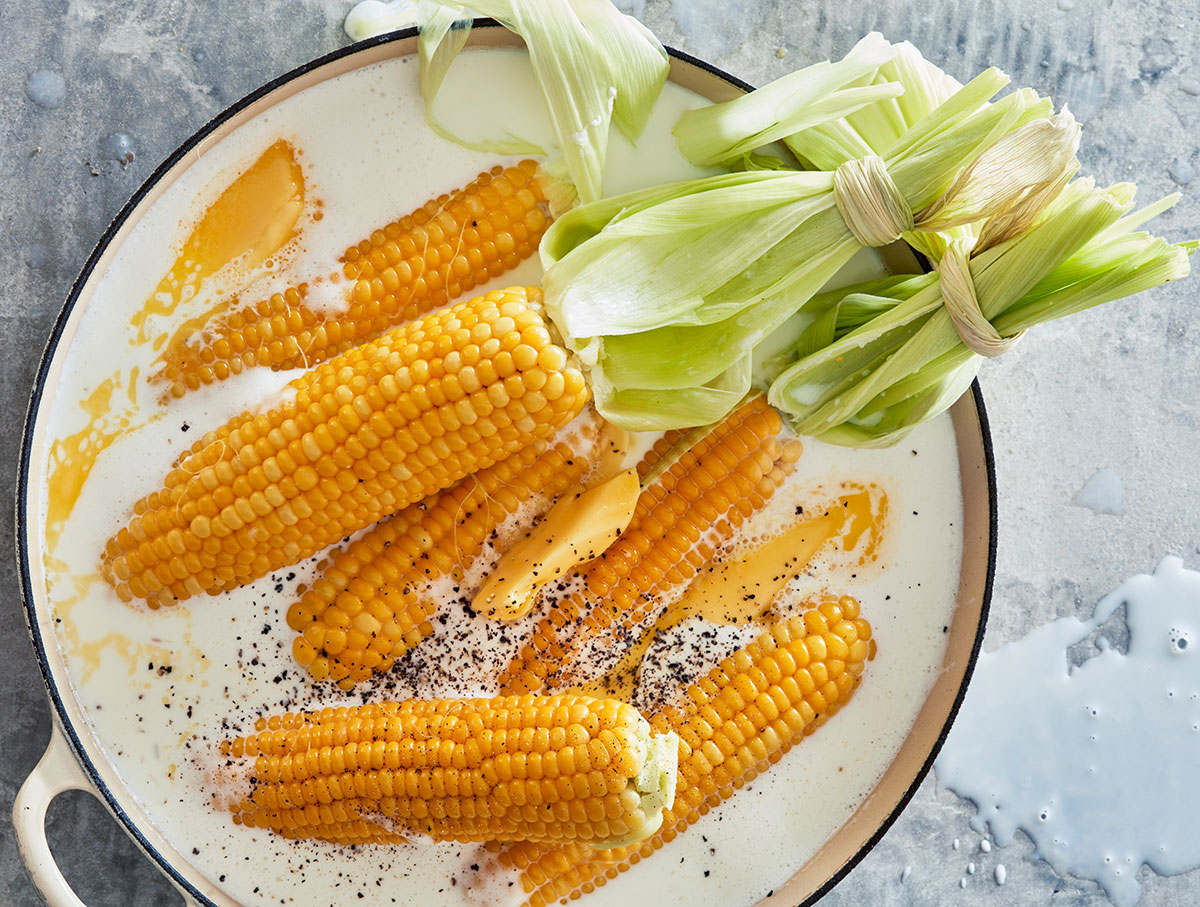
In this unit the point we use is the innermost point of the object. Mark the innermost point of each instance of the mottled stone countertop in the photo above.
(123, 83)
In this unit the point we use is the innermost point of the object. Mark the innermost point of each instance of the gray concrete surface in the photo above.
(1117, 389)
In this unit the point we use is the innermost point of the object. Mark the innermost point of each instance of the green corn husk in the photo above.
(726, 134)
(822, 96)
(665, 293)
(877, 359)
(594, 64)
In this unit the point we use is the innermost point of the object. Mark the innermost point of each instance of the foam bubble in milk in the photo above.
(1096, 764)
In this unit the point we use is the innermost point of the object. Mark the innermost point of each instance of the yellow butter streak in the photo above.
(72, 458)
(249, 222)
(69, 592)
(741, 589)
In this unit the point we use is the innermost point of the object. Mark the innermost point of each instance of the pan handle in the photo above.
(55, 773)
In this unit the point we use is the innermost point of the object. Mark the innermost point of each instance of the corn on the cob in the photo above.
(704, 495)
(444, 249)
(734, 723)
(363, 436)
(366, 609)
(558, 769)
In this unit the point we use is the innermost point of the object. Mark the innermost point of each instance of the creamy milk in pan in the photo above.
(161, 687)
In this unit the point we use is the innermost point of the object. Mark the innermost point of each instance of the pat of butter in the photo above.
(578, 528)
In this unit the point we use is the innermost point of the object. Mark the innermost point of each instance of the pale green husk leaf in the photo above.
(443, 34)
(729, 131)
(879, 358)
(594, 64)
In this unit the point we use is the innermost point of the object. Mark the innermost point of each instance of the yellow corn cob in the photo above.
(734, 723)
(704, 495)
(366, 610)
(444, 249)
(558, 769)
(364, 435)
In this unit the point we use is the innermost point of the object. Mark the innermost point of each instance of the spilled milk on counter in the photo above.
(1096, 763)
(160, 688)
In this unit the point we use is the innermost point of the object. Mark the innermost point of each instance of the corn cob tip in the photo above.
(733, 724)
(656, 784)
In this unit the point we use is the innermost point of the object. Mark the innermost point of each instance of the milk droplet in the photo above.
(35, 256)
(1125, 810)
(962, 883)
(1190, 86)
(970, 869)
(905, 874)
(46, 88)
(1001, 874)
(1181, 171)
(956, 843)
(1102, 493)
(120, 147)
(1066, 5)
(985, 846)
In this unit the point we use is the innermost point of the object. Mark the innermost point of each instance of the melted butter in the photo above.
(862, 516)
(65, 602)
(89, 655)
(742, 588)
(73, 456)
(578, 528)
(134, 653)
(613, 451)
(249, 222)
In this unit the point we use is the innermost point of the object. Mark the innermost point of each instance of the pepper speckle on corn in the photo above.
(367, 608)
(703, 496)
(735, 722)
